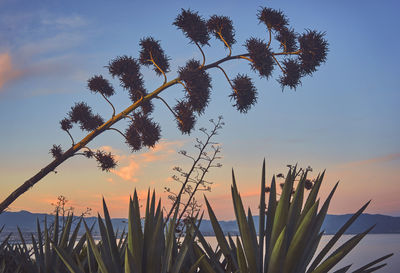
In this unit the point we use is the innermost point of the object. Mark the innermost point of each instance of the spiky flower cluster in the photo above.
(314, 49)
(273, 19)
(127, 70)
(81, 113)
(142, 131)
(222, 25)
(193, 26)
(287, 38)
(152, 51)
(66, 124)
(56, 151)
(97, 84)
(185, 116)
(292, 74)
(198, 84)
(244, 93)
(105, 160)
(261, 56)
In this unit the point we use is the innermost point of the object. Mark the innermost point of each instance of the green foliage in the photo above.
(289, 235)
(287, 241)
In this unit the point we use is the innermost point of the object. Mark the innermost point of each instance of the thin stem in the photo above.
(287, 53)
(226, 76)
(166, 104)
(246, 58)
(72, 139)
(115, 129)
(202, 53)
(270, 38)
(184, 86)
(109, 103)
(131, 118)
(226, 44)
(283, 70)
(162, 71)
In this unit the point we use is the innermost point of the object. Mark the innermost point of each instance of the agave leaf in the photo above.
(343, 270)
(241, 258)
(135, 234)
(253, 233)
(176, 268)
(277, 254)
(153, 253)
(65, 232)
(169, 242)
(67, 260)
(74, 236)
(194, 267)
(367, 266)
(96, 253)
(261, 225)
(105, 246)
(336, 237)
(38, 258)
(282, 209)
(299, 239)
(295, 209)
(342, 251)
(40, 238)
(270, 222)
(219, 234)
(129, 266)
(245, 232)
(111, 238)
(309, 252)
(204, 264)
(372, 269)
(312, 197)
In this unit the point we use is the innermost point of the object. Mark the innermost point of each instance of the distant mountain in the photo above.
(27, 222)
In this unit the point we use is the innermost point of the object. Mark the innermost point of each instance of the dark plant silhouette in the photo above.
(296, 55)
(193, 179)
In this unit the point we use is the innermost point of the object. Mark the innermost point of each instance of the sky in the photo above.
(344, 118)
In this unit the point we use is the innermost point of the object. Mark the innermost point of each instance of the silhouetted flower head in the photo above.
(267, 189)
(293, 74)
(287, 37)
(222, 24)
(66, 124)
(88, 153)
(127, 69)
(193, 26)
(133, 138)
(147, 107)
(105, 160)
(81, 113)
(135, 95)
(97, 84)
(149, 130)
(261, 56)
(56, 151)
(186, 118)
(308, 184)
(152, 49)
(198, 83)
(273, 19)
(245, 95)
(314, 49)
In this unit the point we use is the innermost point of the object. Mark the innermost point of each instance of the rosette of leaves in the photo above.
(289, 232)
(149, 246)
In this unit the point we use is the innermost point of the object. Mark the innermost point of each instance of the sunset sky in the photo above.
(345, 118)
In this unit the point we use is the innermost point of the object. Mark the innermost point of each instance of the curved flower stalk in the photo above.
(302, 54)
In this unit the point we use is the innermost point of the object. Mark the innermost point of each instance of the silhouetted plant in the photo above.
(193, 179)
(296, 55)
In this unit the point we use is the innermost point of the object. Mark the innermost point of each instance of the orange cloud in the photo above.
(374, 160)
(7, 71)
(130, 165)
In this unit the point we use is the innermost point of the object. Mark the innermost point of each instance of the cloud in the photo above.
(72, 21)
(375, 160)
(129, 166)
(7, 70)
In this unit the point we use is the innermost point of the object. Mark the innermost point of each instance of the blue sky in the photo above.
(345, 118)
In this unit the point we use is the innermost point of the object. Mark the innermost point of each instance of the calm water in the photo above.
(370, 248)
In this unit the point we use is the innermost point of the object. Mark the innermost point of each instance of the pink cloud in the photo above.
(375, 160)
(7, 71)
(129, 166)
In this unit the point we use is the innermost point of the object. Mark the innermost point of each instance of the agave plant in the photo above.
(289, 234)
(150, 247)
